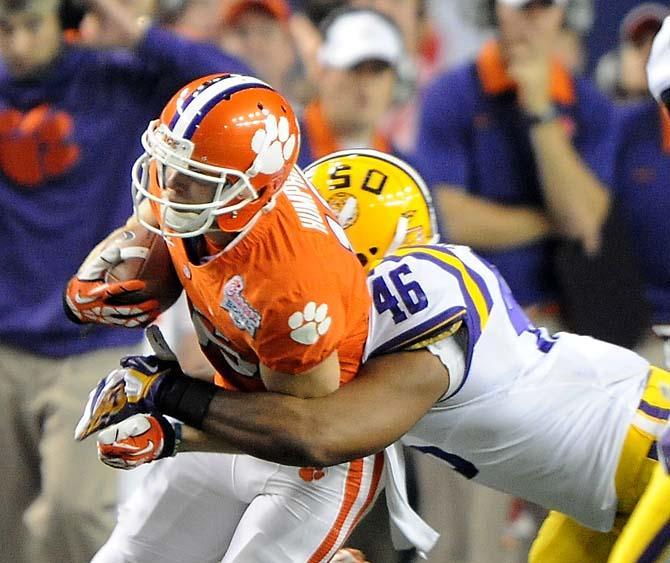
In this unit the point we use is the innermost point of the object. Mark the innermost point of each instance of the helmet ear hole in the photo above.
(373, 250)
(362, 258)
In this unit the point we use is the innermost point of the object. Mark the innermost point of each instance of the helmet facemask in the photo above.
(166, 154)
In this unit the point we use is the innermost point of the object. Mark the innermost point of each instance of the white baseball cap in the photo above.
(518, 4)
(355, 36)
(658, 66)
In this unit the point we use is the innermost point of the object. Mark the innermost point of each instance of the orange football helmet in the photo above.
(230, 132)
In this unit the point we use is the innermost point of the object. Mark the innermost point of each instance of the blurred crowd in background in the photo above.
(573, 215)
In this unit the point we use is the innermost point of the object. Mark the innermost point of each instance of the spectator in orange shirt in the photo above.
(357, 72)
(258, 31)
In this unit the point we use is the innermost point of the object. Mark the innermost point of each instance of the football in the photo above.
(145, 257)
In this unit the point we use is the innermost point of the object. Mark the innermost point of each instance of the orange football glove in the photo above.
(137, 440)
(90, 299)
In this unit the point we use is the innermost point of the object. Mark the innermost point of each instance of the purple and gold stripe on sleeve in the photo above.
(433, 328)
(478, 301)
(474, 312)
(652, 413)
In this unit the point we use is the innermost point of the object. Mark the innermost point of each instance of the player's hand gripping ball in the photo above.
(128, 280)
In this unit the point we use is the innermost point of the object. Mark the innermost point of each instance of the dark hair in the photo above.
(71, 13)
(318, 10)
(482, 13)
(21, 5)
(578, 14)
(14, 5)
(665, 98)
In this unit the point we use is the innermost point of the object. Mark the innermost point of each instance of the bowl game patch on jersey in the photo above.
(243, 315)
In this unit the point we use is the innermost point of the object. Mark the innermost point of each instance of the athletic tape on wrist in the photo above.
(187, 399)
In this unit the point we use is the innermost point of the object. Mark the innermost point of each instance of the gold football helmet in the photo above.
(380, 201)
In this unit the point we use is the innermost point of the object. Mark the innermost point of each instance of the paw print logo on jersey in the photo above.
(309, 324)
(308, 474)
(273, 144)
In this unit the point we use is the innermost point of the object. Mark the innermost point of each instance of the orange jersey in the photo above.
(287, 295)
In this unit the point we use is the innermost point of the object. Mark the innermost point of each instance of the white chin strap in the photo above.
(399, 236)
(187, 221)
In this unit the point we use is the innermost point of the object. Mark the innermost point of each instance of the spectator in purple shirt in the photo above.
(70, 121)
(643, 171)
(517, 152)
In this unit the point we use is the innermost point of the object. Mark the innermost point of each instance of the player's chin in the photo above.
(185, 221)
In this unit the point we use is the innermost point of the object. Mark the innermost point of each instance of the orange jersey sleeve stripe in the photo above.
(352, 490)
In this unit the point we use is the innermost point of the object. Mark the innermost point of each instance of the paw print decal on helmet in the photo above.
(309, 324)
(273, 145)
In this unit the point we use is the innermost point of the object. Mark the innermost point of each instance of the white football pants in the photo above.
(203, 507)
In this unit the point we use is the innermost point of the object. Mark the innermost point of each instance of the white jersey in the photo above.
(537, 416)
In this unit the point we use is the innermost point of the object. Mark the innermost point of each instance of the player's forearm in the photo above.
(269, 426)
(576, 199)
(359, 419)
(194, 440)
